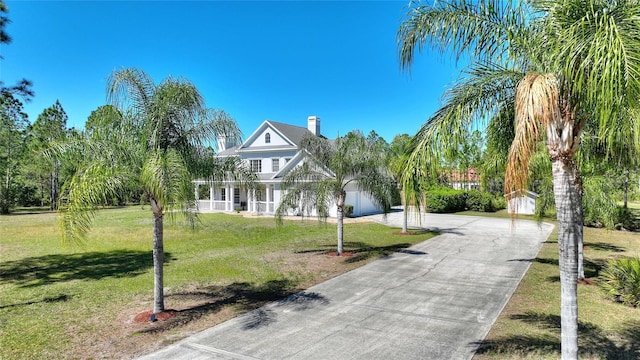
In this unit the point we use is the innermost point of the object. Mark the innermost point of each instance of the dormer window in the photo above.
(267, 138)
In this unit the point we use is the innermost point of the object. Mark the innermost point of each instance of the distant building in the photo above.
(524, 204)
(461, 181)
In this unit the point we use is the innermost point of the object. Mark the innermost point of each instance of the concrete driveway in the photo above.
(435, 300)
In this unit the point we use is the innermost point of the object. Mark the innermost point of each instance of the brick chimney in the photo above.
(313, 124)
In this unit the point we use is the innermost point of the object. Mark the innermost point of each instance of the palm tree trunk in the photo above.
(340, 214)
(566, 185)
(340, 229)
(581, 275)
(404, 219)
(158, 258)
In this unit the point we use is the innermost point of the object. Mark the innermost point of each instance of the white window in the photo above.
(223, 194)
(256, 165)
(275, 165)
(267, 138)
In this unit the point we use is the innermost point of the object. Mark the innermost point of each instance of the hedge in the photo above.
(451, 200)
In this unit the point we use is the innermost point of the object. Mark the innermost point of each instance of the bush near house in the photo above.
(348, 210)
(447, 200)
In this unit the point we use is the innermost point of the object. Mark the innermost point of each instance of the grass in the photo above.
(78, 301)
(529, 326)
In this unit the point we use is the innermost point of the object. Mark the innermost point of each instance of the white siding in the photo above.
(276, 139)
(524, 205)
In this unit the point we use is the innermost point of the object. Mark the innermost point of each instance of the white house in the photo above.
(524, 204)
(270, 151)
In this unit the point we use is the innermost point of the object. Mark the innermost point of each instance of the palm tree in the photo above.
(410, 190)
(558, 63)
(329, 169)
(157, 141)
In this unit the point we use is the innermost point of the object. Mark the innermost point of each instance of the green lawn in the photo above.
(78, 301)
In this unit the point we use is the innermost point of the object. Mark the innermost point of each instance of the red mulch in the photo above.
(586, 281)
(145, 316)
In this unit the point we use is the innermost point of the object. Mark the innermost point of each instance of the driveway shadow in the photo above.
(361, 251)
(242, 296)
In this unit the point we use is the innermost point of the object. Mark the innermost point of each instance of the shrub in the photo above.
(625, 219)
(479, 201)
(348, 210)
(445, 200)
(499, 203)
(621, 280)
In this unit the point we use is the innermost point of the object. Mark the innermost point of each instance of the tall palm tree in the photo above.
(558, 63)
(159, 143)
(329, 168)
(410, 190)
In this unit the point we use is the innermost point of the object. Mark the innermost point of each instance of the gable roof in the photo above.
(295, 161)
(291, 132)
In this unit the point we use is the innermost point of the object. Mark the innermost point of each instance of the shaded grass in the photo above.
(529, 326)
(78, 301)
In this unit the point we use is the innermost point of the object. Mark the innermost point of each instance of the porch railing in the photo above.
(208, 205)
(265, 207)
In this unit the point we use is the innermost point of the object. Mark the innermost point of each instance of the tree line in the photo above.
(31, 175)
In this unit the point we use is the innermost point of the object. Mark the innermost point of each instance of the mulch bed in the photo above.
(586, 281)
(145, 316)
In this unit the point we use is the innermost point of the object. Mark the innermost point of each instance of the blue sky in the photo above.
(274, 60)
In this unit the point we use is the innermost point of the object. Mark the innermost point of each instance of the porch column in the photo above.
(211, 197)
(254, 201)
(232, 196)
(268, 190)
(226, 197)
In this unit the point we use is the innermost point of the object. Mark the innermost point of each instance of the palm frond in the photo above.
(327, 170)
(598, 49)
(537, 105)
(89, 188)
(482, 28)
(130, 88)
(308, 187)
(165, 176)
(485, 91)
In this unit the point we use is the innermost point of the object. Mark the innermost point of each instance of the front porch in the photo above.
(229, 198)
